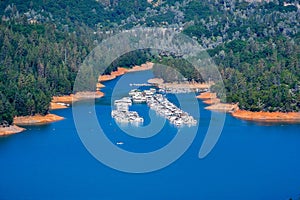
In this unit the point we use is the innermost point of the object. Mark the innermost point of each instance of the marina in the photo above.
(157, 102)
(122, 113)
(165, 108)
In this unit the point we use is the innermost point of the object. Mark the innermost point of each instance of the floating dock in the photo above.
(157, 102)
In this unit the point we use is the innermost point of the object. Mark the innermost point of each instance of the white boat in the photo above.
(139, 119)
(124, 100)
(178, 122)
(139, 99)
(63, 104)
(134, 92)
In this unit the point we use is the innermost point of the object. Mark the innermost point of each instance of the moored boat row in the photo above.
(156, 102)
(122, 113)
(126, 116)
(165, 108)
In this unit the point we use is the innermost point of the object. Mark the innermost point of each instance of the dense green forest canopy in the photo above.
(176, 70)
(261, 75)
(36, 63)
(255, 45)
(73, 12)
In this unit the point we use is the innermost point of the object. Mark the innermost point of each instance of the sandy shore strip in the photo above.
(13, 129)
(36, 119)
(267, 116)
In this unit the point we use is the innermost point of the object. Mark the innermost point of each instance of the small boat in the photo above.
(134, 92)
(120, 143)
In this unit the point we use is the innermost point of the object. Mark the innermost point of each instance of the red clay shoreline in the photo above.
(274, 117)
(69, 99)
(121, 71)
(262, 116)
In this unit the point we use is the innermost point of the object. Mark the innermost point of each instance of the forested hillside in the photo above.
(257, 49)
(261, 75)
(255, 45)
(36, 63)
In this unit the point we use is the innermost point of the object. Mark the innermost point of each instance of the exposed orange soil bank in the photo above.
(215, 103)
(99, 86)
(143, 67)
(68, 99)
(212, 101)
(207, 96)
(59, 101)
(223, 107)
(267, 116)
(63, 99)
(13, 129)
(37, 119)
(211, 98)
(56, 106)
(109, 77)
(120, 71)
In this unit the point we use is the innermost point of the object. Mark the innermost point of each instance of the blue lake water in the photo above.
(250, 161)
